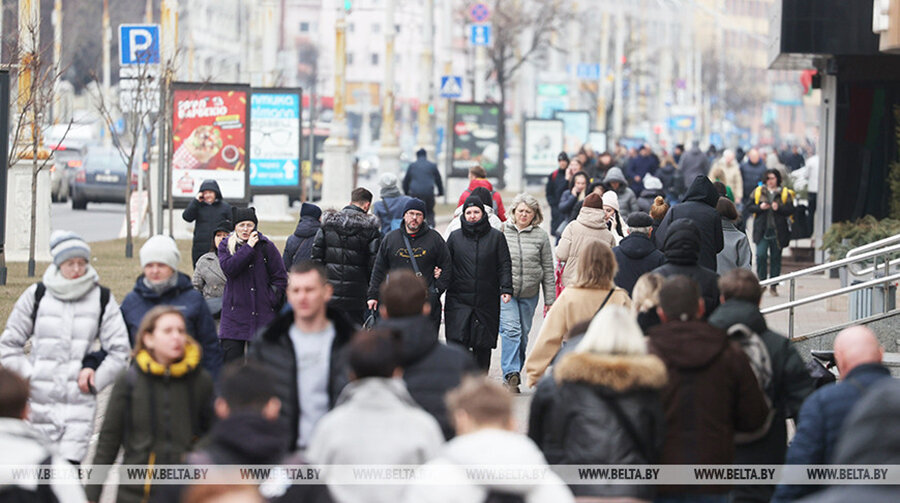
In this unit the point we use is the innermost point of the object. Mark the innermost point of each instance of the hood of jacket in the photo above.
(702, 190)
(480, 182)
(595, 218)
(419, 338)
(735, 311)
(376, 393)
(251, 438)
(182, 284)
(688, 344)
(617, 372)
(349, 220)
(636, 246)
(614, 175)
(213, 186)
(682, 244)
(307, 227)
(191, 360)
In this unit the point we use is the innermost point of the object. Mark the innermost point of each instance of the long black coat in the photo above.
(347, 245)
(430, 368)
(298, 246)
(635, 256)
(482, 271)
(682, 251)
(208, 217)
(699, 206)
(760, 221)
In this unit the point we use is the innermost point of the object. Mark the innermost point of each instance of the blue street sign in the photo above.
(451, 86)
(480, 34)
(587, 71)
(138, 44)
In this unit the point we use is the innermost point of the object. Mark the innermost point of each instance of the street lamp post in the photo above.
(425, 138)
(337, 165)
(389, 152)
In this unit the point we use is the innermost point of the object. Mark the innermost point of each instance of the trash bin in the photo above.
(870, 301)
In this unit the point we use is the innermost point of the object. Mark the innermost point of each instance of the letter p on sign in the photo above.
(138, 44)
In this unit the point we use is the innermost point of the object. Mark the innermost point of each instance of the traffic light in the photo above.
(348, 4)
(430, 109)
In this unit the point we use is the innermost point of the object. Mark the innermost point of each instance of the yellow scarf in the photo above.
(189, 362)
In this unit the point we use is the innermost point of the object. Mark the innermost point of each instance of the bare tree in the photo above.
(138, 105)
(521, 30)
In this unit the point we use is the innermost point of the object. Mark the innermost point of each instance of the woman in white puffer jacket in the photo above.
(63, 327)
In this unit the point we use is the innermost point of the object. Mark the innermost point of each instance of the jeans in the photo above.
(768, 250)
(515, 324)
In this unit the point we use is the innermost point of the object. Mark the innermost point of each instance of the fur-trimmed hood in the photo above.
(349, 220)
(616, 372)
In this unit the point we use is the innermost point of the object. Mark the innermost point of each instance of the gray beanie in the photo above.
(65, 245)
(387, 180)
(162, 249)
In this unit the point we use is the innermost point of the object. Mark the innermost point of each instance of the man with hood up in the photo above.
(682, 250)
(699, 206)
(616, 182)
(298, 246)
(693, 163)
(208, 209)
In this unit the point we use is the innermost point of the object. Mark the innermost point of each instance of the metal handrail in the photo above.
(827, 295)
(829, 265)
(866, 247)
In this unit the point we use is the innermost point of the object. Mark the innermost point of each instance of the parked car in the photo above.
(67, 158)
(101, 178)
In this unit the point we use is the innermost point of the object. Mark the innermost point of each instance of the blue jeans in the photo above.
(515, 323)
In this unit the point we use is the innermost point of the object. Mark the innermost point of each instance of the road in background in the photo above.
(99, 222)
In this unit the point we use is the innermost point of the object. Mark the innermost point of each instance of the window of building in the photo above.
(304, 27)
(374, 58)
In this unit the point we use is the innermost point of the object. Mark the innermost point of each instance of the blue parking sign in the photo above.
(480, 34)
(138, 44)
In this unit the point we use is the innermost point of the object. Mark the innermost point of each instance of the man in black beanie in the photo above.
(414, 246)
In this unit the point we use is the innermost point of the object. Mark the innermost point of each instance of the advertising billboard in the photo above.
(475, 138)
(577, 128)
(275, 136)
(543, 143)
(209, 139)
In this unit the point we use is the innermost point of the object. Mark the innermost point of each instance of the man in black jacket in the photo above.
(421, 178)
(208, 209)
(636, 254)
(293, 348)
(430, 368)
(347, 244)
(698, 205)
(556, 185)
(789, 386)
(682, 251)
(430, 257)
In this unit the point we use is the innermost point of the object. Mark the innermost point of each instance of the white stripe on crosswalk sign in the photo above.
(451, 86)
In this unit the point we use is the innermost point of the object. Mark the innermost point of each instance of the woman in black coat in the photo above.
(208, 209)
(482, 276)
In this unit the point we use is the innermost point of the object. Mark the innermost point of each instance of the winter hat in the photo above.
(652, 183)
(224, 226)
(611, 199)
(243, 214)
(473, 200)
(593, 201)
(483, 194)
(311, 210)
(639, 219)
(614, 175)
(387, 180)
(160, 248)
(414, 204)
(65, 245)
(563, 157)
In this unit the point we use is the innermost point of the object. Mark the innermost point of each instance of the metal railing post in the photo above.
(886, 287)
(791, 322)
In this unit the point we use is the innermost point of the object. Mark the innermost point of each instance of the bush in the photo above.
(842, 237)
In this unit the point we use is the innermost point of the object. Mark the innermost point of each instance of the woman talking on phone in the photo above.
(255, 281)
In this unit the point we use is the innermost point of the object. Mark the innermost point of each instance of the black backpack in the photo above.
(42, 289)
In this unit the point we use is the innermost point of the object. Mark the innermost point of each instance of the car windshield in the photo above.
(104, 160)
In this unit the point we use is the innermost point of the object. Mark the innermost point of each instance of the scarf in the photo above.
(189, 362)
(162, 286)
(69, 289)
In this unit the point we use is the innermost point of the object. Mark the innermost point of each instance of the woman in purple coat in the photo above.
(255, 281)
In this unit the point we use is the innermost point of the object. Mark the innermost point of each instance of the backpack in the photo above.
(42, 289)
(761, 364)
(395, 222)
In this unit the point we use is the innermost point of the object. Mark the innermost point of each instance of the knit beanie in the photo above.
(162, 249)
(239, 215)
(414, 204)
(652, 183)
(487, 199)
(473, 201)
(65, 245)
(224, 226)
(611, 199)
(310, 210)
(387, 180)
(592, 201)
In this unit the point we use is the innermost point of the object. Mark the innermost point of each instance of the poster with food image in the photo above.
(543, 143)
(209, 139)
(475, 138)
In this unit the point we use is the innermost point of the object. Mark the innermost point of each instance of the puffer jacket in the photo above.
(156, 414)
(699, 206)
(590, 226)
(627, 199)
(736, 252)
(347, 245)
(430, 367)
(61, 335)
(454, 224)
(298, 246)
(23, 445)
(208, 277)
(254, 290)
(682, 251)
(573, 422)
(207, 217)
(635, 255)
(532, 261)
(482, 272)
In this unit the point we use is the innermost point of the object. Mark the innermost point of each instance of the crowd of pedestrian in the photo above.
(652, 351)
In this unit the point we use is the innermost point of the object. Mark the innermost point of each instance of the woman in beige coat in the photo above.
(589, 227)
(579, 302)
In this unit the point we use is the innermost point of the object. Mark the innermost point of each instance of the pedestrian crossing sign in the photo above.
(451, 86)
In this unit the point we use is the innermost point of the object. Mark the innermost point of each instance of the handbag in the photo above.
(371, 319)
